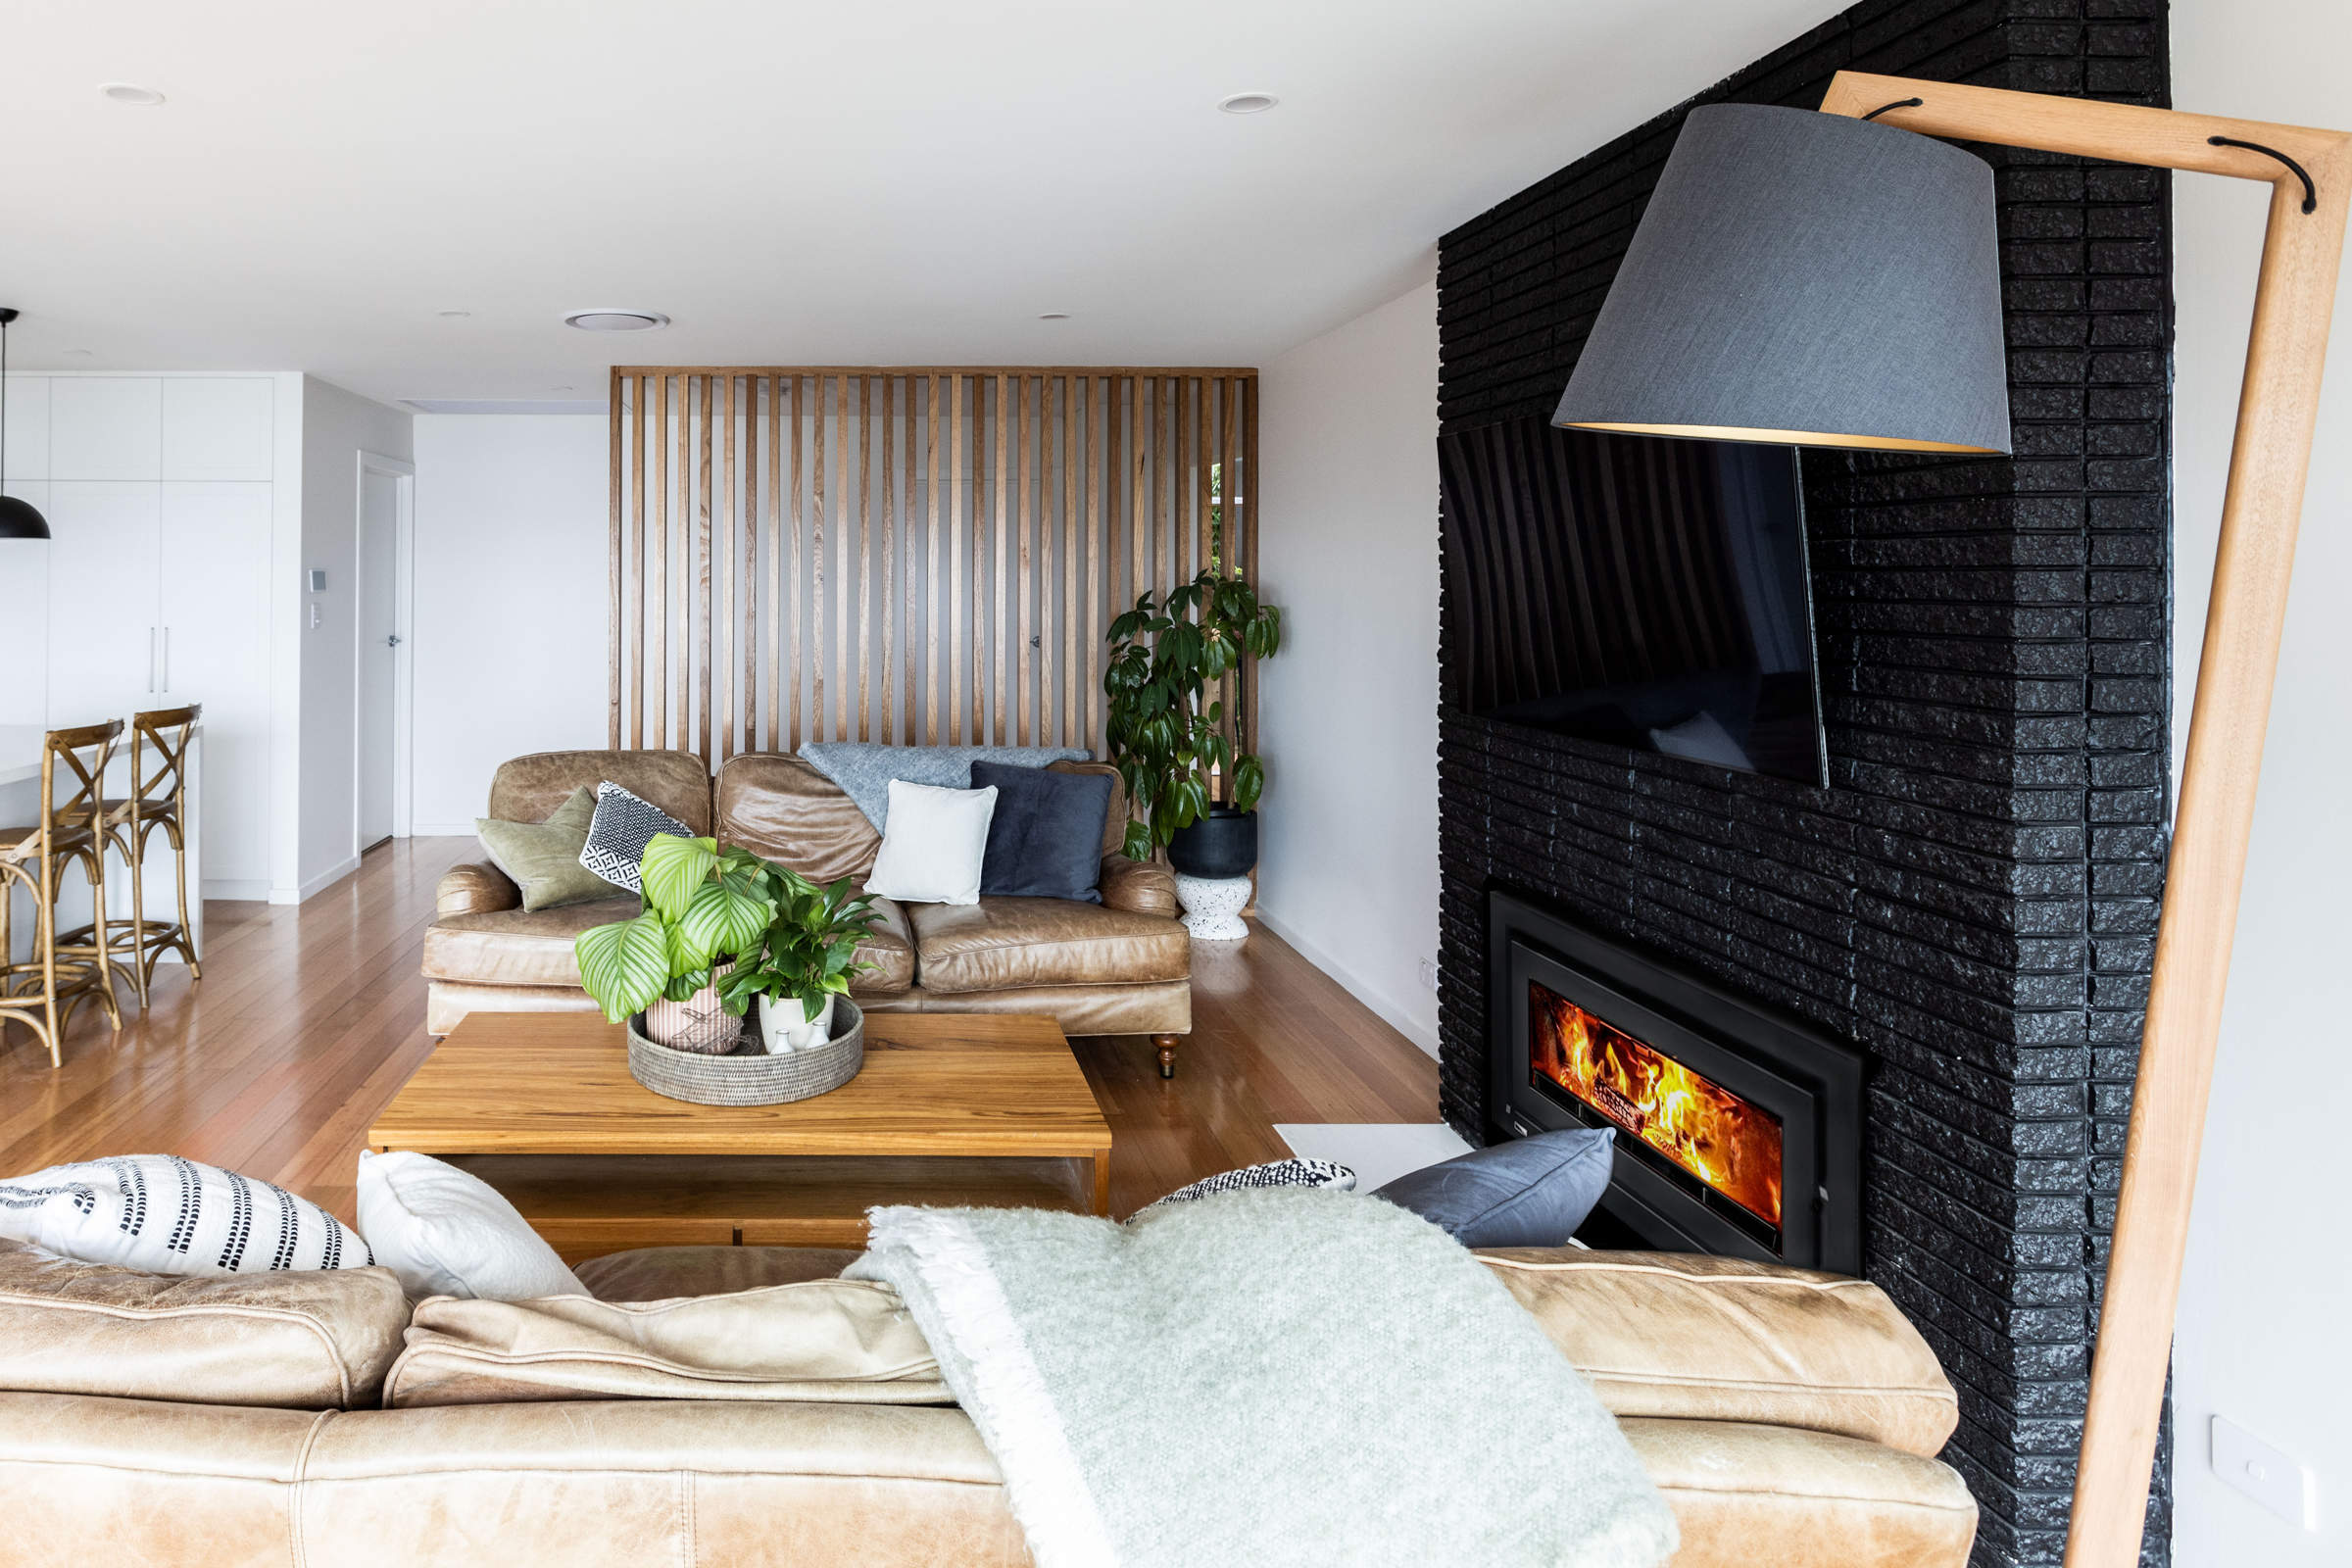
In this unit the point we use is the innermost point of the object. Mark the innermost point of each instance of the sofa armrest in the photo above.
(1717, 1338)
(1139, 887)
(472, 889)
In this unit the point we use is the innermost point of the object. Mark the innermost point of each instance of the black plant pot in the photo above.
(1222, 844)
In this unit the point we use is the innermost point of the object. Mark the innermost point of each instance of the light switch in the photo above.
(2267, 1475)
(318, 584)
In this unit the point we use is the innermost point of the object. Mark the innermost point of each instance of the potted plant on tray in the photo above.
(804, 962)
(1192, 792)
(702, 906)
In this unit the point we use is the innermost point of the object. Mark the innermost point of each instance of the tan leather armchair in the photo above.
(1119, 967)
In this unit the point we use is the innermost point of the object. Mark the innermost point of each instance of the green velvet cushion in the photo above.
(542, 858)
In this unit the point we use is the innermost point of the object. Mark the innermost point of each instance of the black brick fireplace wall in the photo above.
(1972, 901)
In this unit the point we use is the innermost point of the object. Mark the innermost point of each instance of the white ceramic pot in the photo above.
(785, 1025)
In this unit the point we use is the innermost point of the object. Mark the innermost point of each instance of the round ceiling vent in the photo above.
(616, 321)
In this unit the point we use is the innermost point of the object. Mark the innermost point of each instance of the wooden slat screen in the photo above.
(911, 554)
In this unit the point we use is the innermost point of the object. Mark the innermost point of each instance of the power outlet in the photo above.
(1429, 974)
(2269, 1476)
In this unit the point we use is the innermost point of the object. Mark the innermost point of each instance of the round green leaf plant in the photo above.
(701, 905)
(1164, 654)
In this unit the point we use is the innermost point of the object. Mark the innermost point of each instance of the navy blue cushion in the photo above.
(1045, 838)
(1530, 1191)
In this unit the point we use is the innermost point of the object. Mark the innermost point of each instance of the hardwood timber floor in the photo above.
(309, 1018)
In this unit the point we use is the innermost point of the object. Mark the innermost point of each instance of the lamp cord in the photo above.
(2310, 192)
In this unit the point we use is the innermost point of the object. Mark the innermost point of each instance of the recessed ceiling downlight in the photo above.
(130, 93)
(610, 320)
(1053, 316)
(1247, 103)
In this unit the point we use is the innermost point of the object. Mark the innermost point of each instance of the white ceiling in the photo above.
(907, 182)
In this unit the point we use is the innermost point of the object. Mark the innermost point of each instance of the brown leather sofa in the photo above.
(1119, 967)
(1790, 1419)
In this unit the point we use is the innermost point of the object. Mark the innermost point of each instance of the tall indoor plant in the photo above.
(1193, 794)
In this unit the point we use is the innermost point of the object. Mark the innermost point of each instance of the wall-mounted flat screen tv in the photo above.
(1633, 590)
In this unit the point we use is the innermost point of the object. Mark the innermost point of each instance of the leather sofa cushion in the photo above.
(512, 948)
(660, 1273)
(1002, 943)
(529, 789)
(303, 1339)
(1114, 818)
(779, 807)
(889, 949)
(843, 1340)
(1764, 1496)
(1718, 1339)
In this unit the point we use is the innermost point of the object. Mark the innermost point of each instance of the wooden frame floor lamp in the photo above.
(1810, 279)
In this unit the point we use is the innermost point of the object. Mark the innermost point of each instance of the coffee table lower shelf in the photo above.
(589, 1205)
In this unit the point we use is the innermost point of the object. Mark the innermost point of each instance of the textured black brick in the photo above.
(1972, 900)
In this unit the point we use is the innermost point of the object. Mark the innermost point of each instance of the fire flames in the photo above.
(1731, 1145)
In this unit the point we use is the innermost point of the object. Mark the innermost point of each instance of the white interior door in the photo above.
(379, 650)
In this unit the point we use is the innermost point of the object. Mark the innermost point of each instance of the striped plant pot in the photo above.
(700, 1024)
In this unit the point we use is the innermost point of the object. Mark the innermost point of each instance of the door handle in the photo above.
(392, 641)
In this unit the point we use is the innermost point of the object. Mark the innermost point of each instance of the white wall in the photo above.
(2262, 1336)
(336, 428)
(1349, 846)
(510, 609)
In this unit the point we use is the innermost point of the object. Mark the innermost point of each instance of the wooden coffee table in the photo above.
(987, 1109)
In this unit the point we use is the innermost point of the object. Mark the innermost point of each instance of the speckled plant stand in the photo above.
(1212, 906)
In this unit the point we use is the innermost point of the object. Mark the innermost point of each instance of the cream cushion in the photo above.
(842, 1341)
(308, 1340)
(447, 1232)
(933, 845)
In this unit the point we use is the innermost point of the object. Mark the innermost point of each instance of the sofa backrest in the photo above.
(777, 806)
(529, 789)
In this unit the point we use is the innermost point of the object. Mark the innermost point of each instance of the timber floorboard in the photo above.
(309, 1018)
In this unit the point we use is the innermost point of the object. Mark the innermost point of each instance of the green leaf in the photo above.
(673, 867)
(1248, 782)
(719, 920)
(1138, 845)
(624, 965)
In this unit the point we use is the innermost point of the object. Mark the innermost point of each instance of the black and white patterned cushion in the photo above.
(162, 1215)
(623, 825)
(1273, 1173)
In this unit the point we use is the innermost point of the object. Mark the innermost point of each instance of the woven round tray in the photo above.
(749, 1075)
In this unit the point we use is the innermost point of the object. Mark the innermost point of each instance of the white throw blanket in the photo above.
(1277, 1378)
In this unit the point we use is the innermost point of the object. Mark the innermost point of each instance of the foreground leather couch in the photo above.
(1790, 1419)
(1119, 967)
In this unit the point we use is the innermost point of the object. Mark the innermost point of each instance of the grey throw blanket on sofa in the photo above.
(1280, 1378)
(864, 768)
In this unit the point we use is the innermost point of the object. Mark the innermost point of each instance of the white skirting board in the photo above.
(1377, 1151)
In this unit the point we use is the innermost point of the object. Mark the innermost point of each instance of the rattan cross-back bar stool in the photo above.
(158, 798)
(68, 833)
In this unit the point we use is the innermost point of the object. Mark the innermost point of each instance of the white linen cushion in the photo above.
(162, 1215)
(446, 1232)
(934, 844)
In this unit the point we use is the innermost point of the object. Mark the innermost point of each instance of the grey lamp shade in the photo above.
(1805, 279)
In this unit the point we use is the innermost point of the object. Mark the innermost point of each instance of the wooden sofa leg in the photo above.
(1167, 1053)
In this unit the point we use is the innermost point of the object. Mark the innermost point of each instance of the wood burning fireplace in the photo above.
(1738, 1130)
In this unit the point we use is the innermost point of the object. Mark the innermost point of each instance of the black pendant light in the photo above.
(19, 519)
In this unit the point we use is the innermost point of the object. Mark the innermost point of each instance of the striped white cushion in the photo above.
(163, 1214)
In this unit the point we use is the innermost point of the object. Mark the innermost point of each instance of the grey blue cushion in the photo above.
(542, 858)
(1045, 838)
(623, 827)
(1532, 1191)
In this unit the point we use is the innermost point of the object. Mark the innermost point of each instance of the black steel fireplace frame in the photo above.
(1810, 1082)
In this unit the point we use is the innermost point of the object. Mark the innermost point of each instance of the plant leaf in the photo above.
(719, 919)
(624, 965)
(673, 867)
